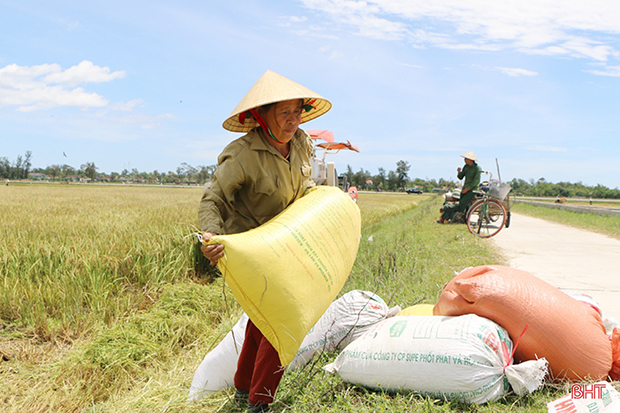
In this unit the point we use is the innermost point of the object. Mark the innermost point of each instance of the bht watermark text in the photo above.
(587, 391)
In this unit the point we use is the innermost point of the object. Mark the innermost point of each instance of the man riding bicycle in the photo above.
(471, 172)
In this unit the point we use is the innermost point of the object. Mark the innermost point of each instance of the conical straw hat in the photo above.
(470, 155)
(271, 88)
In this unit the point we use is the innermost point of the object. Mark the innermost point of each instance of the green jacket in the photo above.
(254, 182)
(471, 175)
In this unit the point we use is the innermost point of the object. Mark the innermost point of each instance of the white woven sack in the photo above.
(346, 319)
(217, 370)
(466, 358)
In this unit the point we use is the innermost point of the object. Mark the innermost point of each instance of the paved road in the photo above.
(574, 260)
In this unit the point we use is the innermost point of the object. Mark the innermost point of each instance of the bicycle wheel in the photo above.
(486, 218)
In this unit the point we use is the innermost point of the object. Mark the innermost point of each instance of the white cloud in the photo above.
(573, 28)
(145, 121)
(613, 71)
(50, 97)
(48, 86)
(127, 106)
(543, 148)
(296, 19)
(363, 16)
(141, 120)
(69, 25)
(85, 72)
(578, 47)
(287, 21)
(413, 66)
(316, 32)
(511, 71)
(23, 77)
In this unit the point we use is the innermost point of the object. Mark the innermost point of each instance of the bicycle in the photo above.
(489, 211)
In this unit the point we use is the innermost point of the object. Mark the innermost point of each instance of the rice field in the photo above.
(106, 306)
(73, 256)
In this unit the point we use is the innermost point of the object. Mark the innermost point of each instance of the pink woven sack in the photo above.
(565, 331)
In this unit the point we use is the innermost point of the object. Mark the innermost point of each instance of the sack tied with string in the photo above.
(467, 358)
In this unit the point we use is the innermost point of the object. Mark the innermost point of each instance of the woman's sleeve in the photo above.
(216, 204)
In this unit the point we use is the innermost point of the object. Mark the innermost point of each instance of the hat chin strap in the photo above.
(263, 124)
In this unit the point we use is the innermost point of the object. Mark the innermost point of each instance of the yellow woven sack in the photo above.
(287, 272)
(418, 309)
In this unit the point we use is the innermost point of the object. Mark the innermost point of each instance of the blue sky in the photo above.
(147, 85)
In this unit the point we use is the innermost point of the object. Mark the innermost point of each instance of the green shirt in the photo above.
(254, 182)
(471, 175)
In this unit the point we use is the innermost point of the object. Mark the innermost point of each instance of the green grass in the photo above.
(410, 257)
(104, 306)
(607, 225)
(580, 201)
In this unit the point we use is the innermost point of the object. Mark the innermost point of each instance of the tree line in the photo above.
(18, 169)
(393, 181)
(22, 168)
(398, 180)
(543, 188)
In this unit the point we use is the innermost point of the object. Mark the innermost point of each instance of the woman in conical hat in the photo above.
(471, 172)
(470, 155)
(269, 89)
(258, 176)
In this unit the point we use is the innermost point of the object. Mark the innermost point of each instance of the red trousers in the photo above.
(258, 370)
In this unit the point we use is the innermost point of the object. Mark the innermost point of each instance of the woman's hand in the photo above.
(213, 252)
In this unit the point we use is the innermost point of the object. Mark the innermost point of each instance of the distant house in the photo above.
(37, 176)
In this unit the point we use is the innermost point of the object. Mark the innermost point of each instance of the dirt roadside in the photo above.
(573, 260)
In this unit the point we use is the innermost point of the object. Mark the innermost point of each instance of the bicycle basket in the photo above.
(499, 190)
